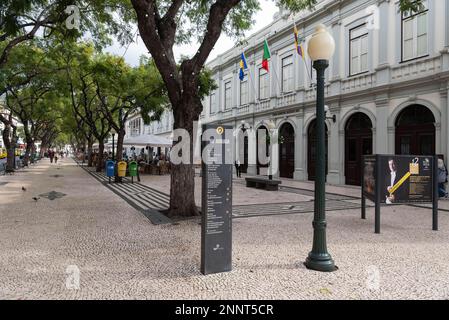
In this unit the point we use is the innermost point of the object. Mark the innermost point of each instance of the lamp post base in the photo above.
(320, 262)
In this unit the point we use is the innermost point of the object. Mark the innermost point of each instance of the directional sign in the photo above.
(216, 226)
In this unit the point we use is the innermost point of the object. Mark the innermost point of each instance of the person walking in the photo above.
(51, 155)
(237, 168)
(442, 179)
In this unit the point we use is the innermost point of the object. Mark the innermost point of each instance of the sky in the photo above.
(133, 52)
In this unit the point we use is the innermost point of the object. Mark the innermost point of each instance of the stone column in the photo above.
(274, 80)
(384, 134)
(383, 68)
(252, 152)
(446, 20)
(220, 91)
(333, 149)
(274, 155)
(334, 79)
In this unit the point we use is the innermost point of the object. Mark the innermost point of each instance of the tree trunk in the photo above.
(10, 165)
(42, 150)
(33, 152)
(90, 159)
(28, 150)
(100, 156)
(182, 178)
(9, 148)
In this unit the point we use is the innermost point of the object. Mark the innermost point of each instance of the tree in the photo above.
(80, 69)
(124, 91)
(23, 20)
(9, 136)
(162, 24)
(37, 107)
(25, 74)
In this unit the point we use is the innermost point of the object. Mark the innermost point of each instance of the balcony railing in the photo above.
(243, 109)
(262, 105)
(360, 82)
(287, 99)
(310, 94)
(416, 68)
(227, 113)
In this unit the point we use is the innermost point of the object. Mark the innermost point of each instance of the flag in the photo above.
(266, 56)
(298, 42)
(243, 67)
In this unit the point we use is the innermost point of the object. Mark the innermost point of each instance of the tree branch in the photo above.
(217, 16)
(147, 17)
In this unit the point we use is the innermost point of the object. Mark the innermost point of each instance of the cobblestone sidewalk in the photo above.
(90, 244)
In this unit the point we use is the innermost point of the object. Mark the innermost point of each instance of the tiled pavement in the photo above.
(141, 197)
(120, 254)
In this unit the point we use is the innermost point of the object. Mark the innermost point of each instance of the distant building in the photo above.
(137, 130)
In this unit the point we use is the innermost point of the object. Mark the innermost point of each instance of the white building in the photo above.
(137, 131)
(387, 85)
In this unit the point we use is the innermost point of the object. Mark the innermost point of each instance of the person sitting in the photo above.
(156, 160)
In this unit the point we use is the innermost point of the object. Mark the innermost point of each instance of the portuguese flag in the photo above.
(266, 56)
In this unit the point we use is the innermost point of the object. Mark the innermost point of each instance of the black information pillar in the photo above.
(216, 204)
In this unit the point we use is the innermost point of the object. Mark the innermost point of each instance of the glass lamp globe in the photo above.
(322, 45)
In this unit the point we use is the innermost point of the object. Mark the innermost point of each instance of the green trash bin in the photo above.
(132, 170)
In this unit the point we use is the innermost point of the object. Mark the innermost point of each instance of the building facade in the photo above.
(387, 86)
(137, 130)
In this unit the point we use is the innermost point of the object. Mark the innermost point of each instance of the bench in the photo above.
(262, 183)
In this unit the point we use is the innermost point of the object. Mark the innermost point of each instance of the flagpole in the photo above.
(250, 79)
(303, 52)
(273, 67)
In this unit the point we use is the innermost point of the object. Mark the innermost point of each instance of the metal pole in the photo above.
(435, 195)
(319, 259)
(362, 184)
(378, 196)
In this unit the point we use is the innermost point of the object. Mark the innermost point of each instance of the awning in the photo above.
(148, 140)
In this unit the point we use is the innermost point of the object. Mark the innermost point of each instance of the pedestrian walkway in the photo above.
(245, 211)
(79, 240)
(150, 201)
(147, 200)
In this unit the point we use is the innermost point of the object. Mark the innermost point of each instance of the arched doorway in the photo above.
(244, 161)
(286, 151)
(311, 150)
(415, 131)
(358, 142)
(260, 164)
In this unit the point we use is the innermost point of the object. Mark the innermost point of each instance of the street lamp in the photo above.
(321, 47)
